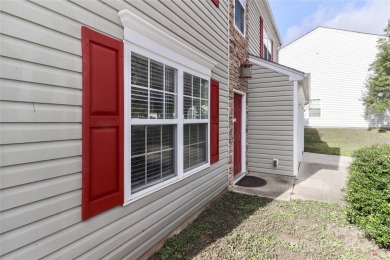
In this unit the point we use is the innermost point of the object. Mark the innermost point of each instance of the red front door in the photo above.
(237, 133)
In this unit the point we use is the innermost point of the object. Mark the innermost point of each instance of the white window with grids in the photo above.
(166, 108)
(196, 111)
(267, 45)
(239, 15)
(315, 108)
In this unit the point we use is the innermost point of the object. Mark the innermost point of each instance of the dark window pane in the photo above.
(204, 89)
(193, 134)
(170, 79)
(188, 109)
(153, 171)
(186, 157)
(187, 84)
(159, 162)
(204, 109)
(196, 87)
(139, 70)
(170, 104)
(195, 147)
(239, 15)
(139, 102)
(137, 172)
(156, 75)
(196, 108)
(201, 153)
(154, 138)
(168, 163)
(168, 137)
(186, 134)
(193, 154)
(156, 105)
(202, 133)
(137, 140)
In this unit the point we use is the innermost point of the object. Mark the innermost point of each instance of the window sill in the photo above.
(143, 193)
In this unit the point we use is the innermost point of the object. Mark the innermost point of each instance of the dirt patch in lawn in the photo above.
(239, 226)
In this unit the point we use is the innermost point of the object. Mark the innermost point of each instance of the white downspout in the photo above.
(295, 130)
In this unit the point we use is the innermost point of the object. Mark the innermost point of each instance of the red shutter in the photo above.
(216, 3)
(214, 122)
(102, 123)
(261, 38)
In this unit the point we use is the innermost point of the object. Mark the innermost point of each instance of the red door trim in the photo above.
(237, 155)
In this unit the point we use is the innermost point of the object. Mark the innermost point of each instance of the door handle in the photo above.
(234, 120)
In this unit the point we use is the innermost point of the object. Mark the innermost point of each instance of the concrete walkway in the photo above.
(321, 177)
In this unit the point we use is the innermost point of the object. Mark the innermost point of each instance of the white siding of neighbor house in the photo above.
(256, 9)
(270, 122)
(338, 62)
(41, 83)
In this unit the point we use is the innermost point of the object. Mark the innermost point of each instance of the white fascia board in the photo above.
(136, 29)
(307, 87)
(293, 75)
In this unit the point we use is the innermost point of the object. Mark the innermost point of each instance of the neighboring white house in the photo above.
(338, 62)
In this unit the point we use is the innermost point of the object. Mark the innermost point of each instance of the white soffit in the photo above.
(137, 24)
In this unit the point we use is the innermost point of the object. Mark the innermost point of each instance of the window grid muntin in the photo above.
(148, 153)
(149, 88)
(315, 108)
(193, 97)
(267, 44)
(194, 69)
(239, 15)
(190, 144)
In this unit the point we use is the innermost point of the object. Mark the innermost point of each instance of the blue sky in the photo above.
(297, 17)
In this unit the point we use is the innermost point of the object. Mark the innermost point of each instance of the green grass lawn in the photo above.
(343, 141)
(238, 226)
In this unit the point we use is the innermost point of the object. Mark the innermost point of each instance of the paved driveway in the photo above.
(321, 177)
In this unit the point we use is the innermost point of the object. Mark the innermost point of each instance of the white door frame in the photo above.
(243, 135)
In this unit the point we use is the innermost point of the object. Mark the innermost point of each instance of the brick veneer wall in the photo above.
(238, 51)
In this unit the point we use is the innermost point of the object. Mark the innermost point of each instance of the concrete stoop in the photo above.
(321, 177)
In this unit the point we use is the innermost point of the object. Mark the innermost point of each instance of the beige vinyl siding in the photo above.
(254, 28)
(270, 122)
(41, 93)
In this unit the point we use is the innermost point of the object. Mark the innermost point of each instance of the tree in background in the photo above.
(377, 96)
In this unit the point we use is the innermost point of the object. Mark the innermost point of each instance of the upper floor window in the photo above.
(315, 108)
(239, 14)
(267, 45)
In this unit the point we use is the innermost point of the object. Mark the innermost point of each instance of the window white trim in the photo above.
(320, 107)
(234, 18)
(142, 33)
(170, 52)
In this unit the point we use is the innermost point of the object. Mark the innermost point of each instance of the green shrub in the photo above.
(368, 192)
